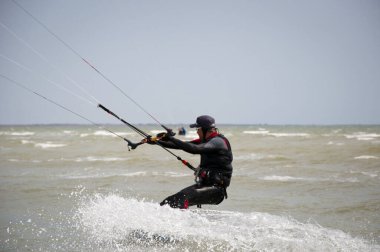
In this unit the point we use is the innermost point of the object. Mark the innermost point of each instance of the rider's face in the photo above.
(200, 133)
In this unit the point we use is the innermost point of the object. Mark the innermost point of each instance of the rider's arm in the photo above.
(168, 144)
(212, 146)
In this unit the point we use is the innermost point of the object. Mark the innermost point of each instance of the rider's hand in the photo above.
(149, 140)
(161, 136)
(170, 132)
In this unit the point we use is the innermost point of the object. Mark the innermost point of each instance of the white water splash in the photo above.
(112, 219)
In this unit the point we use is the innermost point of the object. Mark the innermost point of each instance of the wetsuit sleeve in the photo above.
(214, 145)
(168, 144)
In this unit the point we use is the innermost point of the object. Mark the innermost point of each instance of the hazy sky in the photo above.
(253, 61)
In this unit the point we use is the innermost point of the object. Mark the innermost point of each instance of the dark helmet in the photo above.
(204, 122)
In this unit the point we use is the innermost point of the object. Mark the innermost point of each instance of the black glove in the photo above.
(170, 132)
(150, 140)
(162, 136)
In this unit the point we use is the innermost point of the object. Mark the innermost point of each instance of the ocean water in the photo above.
(294, 188)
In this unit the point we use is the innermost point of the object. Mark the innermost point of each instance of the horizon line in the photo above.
(185, 124)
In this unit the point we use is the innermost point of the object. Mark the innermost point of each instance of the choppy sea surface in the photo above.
(294, 188)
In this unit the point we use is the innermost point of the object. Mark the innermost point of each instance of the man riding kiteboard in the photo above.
(214, 173)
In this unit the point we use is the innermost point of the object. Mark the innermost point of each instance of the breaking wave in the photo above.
(104, 133)
(366, 157)
(100, 159)
(308, 179)
(362, 136)
(268, 133)
(17, 133)
(44, 145)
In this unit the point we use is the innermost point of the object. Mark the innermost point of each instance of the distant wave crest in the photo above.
(268, 133)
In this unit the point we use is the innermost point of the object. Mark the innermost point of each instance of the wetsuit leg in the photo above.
(195, 195)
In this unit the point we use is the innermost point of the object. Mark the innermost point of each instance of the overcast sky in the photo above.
(243, 62)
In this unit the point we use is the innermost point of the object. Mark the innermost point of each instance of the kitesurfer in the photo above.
(213, 175)
(182, 131)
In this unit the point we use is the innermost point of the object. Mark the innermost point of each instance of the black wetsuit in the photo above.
(213, 175)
